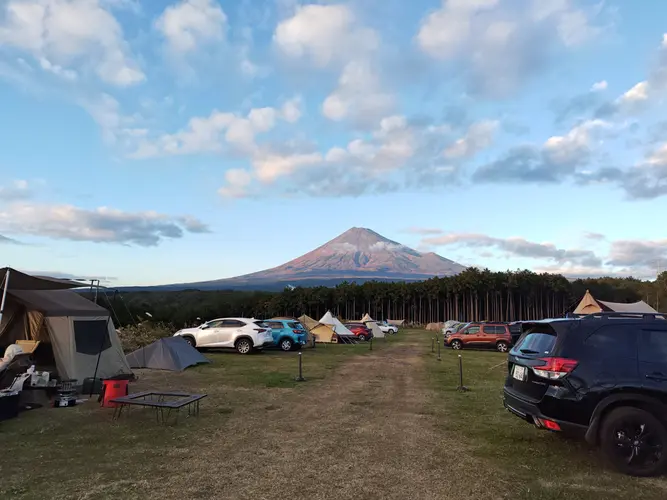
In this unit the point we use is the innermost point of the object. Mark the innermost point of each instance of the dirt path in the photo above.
(368, 435)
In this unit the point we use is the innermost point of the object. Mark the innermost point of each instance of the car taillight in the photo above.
(260, 330)
(298, 332)
(555, 368)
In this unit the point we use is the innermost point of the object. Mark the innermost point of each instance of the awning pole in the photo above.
(4, 295)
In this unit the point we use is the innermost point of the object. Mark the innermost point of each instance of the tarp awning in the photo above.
(22, 281)
(634, 307)
(57, 303)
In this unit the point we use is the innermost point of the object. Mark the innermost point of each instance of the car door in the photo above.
(472, 335)
(276, 329)
(209, 334)
(229, 331)
(653, 358)
(489, 334)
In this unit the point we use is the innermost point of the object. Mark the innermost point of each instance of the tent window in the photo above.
(90, 335)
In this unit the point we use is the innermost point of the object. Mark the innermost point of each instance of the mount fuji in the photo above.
(359, 254)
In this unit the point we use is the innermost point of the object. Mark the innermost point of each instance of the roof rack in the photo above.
(625, 315)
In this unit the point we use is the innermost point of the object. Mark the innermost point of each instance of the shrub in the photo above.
(132, 337)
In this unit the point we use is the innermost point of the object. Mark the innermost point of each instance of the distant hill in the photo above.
(358, 254)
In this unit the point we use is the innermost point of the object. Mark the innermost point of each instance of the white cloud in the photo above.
(101, 225)
(324, 34)
(291, 110)
(573, 147)
(394, 149)
(599, 86)
(64, 73)
(66, 33)
(237, 182)
(359, 95)
(331, 36)
(479, 136)
(211, 133)
(500, 44)
(17, 190)
(191, 23)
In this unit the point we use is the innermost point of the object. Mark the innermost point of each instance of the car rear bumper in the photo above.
(530, 412)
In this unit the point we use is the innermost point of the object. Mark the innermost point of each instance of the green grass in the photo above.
(273, 368)
(534, 463)
(62, 450)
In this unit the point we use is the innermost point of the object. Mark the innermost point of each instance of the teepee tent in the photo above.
(169, 353)
(338, 327)
(377, 333)
(322, 333)
(366, 318)
(591, 305)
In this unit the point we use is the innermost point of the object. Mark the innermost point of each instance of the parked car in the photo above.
(602, 377)
(287, 334)
(361, 331)
(516, 330)
(242, 334)
(496, 335)
(449, 331)
(387, 328)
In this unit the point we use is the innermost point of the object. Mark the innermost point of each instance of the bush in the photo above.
(132, 337)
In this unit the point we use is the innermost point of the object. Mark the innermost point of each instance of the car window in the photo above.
(613, 341)
(653, 347)
(214, 324)
(295, 325)
(275, 324)
(232, 323)
(536, 343)
(495, 330)
(471, 330)
(262, 324)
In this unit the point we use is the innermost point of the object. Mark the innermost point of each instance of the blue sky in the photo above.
(159, 142)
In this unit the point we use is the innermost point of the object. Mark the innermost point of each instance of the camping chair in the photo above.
(17, 366)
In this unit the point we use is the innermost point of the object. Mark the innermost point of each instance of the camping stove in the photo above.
(66, 394)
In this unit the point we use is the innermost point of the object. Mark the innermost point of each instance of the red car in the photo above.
(361, 331)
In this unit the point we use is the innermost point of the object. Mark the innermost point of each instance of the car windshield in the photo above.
(461, 326)
(295, 325)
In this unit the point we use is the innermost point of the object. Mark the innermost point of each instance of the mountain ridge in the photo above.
(358, 254)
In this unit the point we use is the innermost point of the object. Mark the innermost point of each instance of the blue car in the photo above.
(287, 333)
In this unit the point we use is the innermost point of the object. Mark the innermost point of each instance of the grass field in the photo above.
(378, 424)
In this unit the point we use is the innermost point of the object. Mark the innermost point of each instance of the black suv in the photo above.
(602, 377)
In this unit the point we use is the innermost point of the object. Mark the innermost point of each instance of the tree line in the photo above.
(472, 295)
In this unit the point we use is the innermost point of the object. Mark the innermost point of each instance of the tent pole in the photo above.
(4, 295)
(99, 355)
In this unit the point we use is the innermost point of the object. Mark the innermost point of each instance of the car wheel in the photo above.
(634, 441)
(362, 337)
(502, 346)
(457, 345)
(190, 340)
(243, 346)
(286, 345)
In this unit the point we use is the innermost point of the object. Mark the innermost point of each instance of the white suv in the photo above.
(242, 334)
(387, 328)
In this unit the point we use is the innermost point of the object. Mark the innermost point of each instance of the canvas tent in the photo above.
(591, 305)
(322, 333)
(396, 322)
(72, 330)
(336, 325)
(169, 353)
(370, 323)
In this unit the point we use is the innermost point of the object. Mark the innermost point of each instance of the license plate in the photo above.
(519, 372)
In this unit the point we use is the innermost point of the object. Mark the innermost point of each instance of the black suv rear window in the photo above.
(538, 339)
